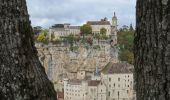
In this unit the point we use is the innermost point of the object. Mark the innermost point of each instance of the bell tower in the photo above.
(114, 21)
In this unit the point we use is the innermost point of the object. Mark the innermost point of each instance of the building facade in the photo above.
(96, 90)
(62, 30)
(98, 25)
(120, 82)
(75, 90)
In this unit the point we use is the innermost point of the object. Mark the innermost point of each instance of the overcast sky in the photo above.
(48, 12)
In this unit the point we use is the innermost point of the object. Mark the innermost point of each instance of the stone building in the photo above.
(119, 80)
(98, 25)
(96, 90)
(84, 90)
(60, 30)
(75, 90)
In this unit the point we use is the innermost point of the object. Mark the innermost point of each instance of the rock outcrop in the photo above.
(59, 60)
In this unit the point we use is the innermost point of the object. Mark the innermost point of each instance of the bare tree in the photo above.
(152, 50)
(22, 77)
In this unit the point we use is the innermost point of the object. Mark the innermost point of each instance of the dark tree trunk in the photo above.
(22, 77)
(152, 50)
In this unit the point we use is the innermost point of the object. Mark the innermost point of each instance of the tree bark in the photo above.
(22, 77)
(152, 50)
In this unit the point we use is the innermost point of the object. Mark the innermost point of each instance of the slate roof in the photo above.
(98, 22)
(116, 68)
(75, 82)
(93, 83)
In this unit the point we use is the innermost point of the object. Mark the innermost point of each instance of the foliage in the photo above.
(37, 30)
(86, 29)
(45, 32)
(125, 41)
(96, 47)
(103, 32)
(74, 48)
(56, 41)
(52, 36)
(41, 37)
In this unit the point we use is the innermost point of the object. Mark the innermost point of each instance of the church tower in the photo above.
(114, 21)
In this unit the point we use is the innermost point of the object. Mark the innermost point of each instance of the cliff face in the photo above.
(60, 62)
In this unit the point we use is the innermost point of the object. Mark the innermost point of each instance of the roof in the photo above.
(116, 68)
(93, 83)
(74, 27)
(98, 22)
(75, 82)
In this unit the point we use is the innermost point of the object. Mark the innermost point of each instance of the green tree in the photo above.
(37, 30)
(103, 32)
(41, 37)
(86, 29)
(52, 37)
(125, 41)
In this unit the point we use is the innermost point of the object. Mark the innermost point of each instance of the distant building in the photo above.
(119, 80)
(98, 25)
(96, 90)
(75, 90)
(60, 30)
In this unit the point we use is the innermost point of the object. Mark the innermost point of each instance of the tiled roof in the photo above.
(93, 83)
(117, 68)
(98, 22)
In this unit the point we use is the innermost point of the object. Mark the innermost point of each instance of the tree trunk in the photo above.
(22, 77)
(152, 50)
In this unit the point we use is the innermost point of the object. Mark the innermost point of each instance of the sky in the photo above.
(46, 13)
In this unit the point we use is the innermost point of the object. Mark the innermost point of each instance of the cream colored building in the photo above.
(60, 30)
(120, 82)
(75, 90)
(98, 25)
(96, 90)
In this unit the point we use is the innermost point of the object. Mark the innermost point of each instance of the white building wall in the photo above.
(92, 93)
(58, 32)
(119, 86)
(102, 91)
(96, 29)
(75, 92)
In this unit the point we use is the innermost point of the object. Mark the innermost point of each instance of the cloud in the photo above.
(48, 12)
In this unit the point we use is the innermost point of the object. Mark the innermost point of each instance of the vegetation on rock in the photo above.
(125, 41)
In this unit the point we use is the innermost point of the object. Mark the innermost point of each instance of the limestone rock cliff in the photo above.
(60, 62)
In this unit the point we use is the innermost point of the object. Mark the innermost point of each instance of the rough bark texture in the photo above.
(152, 50)
(22, 77)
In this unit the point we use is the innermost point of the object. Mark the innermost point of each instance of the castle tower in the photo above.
(114, 30)
(114, 20)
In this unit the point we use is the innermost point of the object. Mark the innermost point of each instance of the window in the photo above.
(114, 84)
(118, 79)
(118, 93)
(109, 79)
(127, 91)
(109, 93)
